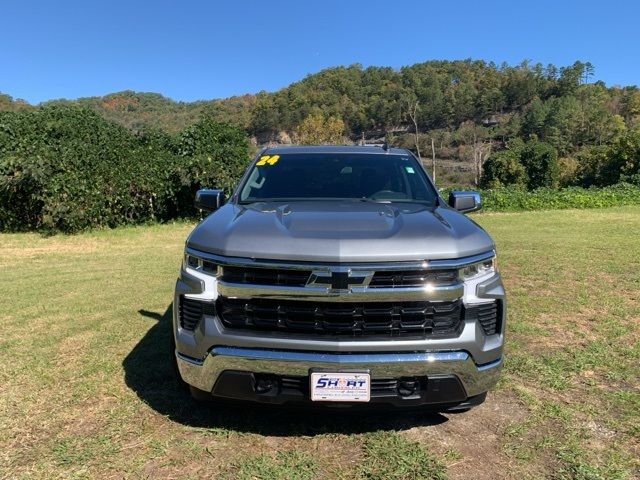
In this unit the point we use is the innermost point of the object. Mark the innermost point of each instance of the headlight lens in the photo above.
(480, 269)
(197, 263)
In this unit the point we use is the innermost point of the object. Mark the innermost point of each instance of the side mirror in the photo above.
(209, 200)
(465, 201)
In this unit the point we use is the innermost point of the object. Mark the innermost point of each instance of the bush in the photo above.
(623, 159)
(65, 168)
(515, 199)
(540, 161)
(591, 161)
(532, 164)
(503, 168)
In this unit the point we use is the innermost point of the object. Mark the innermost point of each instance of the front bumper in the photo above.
(439, 370)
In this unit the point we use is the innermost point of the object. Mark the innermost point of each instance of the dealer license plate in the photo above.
(340, 387)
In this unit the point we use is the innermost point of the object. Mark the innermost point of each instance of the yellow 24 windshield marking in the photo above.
(268, 159)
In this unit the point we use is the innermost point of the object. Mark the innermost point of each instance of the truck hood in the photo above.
(339, 231)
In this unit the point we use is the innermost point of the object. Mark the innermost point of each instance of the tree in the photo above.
(573, 76)
(316, 130)
(264, 116)
(504, 169)
(481, 151)
(215, 155)
(534, 121)
(476, 147)
(631, 106)
(540, 161)
(623, 159)
(412, 112)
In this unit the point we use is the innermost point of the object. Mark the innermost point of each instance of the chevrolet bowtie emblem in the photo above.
(340, 279)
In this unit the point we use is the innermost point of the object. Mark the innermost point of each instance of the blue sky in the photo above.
(200, 50)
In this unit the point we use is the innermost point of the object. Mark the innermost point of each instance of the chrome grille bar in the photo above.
(355, 294)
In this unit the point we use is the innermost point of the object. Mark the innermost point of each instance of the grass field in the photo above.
(86, 391)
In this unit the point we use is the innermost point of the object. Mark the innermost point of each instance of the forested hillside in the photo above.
(469, 108)
(380, 99)
(473, 123)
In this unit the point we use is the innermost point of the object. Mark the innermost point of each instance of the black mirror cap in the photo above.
(465, 200)
(209, 199)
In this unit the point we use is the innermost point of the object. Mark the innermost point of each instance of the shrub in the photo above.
(65, 168)
(567, 169)
(514, 199)
(540, 161)
(591, 161)
(503, 168)
(623, 159)
(532, 164)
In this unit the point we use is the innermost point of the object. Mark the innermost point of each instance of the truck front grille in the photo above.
(356, 319)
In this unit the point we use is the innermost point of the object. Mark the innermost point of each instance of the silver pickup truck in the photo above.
(338, 276)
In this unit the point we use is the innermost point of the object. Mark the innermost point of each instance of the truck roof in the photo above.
(370, 149)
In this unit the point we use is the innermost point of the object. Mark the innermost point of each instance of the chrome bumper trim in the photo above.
(204, 373)
(398, 294)
(487, 366)
(186, 358)
(296, 356)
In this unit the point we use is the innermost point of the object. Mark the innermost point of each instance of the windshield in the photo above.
(322, 176)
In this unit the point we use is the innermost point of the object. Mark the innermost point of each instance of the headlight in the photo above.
(196, 263)
(479, 269)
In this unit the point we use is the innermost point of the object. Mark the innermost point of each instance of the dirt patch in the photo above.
(477, 436)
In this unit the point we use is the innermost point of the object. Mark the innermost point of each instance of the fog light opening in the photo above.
(264, 384)
(406, 388)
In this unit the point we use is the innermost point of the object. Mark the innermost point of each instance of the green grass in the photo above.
(389, 456)
(86, 388)
(283, 465)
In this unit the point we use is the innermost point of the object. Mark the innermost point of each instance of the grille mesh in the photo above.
(398, 318)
